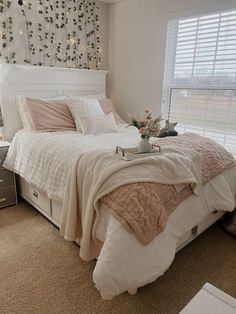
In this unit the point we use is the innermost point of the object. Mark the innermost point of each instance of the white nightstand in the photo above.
(210, 300)
(8, 195)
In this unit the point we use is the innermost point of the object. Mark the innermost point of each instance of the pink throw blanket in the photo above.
(143, 208)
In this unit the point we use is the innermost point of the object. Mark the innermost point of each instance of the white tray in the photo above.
(132, 153)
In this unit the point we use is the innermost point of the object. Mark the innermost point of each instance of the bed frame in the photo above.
(48, 82)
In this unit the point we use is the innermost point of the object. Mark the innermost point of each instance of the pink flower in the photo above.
(159, 118)
(142, 131)
(146, 124)
(147, 110)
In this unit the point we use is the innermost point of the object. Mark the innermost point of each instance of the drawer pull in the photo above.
(194, 231)
(3, 199)
(35, 194)
(1, 180)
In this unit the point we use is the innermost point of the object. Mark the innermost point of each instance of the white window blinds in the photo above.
(200, 76)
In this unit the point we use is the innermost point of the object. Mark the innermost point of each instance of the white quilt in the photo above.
(45, 160)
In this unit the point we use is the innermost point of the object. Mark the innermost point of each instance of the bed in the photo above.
(123, 264)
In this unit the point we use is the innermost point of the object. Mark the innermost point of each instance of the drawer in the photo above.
(35, 197)
(3, 154)
(7, 178)
(209, 220)
(7, 196)
(56, 211)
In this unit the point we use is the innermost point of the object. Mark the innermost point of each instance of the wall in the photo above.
(40, 33)
(137, 48)
(104, 34)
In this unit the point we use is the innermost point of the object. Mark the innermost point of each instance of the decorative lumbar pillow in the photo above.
(98, 124)
(107, 107)
(169, 129)
(84, 107)
(50, 115)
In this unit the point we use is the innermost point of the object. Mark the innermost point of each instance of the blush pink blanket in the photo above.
(143, 208)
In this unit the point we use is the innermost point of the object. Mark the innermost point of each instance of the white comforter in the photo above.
(45, 160)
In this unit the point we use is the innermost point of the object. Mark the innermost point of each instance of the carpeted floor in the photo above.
(42, 273)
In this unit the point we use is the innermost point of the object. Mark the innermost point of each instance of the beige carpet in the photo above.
(42, 273)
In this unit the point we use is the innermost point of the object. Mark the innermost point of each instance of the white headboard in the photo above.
(42, 82)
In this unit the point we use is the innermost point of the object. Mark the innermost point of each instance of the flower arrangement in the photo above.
(147, 125)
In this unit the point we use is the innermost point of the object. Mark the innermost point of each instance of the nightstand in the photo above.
(8, 195)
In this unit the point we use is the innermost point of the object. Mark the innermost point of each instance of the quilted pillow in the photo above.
(84, 107)
(98, 124)
(107, 106)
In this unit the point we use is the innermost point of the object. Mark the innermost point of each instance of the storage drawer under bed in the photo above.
(35, 197)
(53, 210)
(209, 220)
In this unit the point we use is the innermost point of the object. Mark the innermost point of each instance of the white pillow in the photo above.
(84, 107)
(24, 113)
(98, 124)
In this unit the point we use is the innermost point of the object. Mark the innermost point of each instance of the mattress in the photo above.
(45, 159)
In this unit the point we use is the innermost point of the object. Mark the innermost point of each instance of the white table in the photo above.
(210, 300)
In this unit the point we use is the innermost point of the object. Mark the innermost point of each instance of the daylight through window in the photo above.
(200, 76)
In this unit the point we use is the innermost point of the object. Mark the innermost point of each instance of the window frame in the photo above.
(170, 83)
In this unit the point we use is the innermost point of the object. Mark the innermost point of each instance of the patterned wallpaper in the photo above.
(50, 32)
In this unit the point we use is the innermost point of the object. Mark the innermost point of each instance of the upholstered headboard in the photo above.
(42, 82)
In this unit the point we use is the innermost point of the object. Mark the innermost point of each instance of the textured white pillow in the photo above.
(98, 124)
(84, 107)
(24, 113)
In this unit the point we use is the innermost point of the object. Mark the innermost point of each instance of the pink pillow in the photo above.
(50, 116)
(107, 107)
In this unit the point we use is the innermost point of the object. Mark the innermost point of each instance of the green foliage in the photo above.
(146, 124)
(83, 15)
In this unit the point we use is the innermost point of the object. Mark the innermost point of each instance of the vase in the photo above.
(144, 146)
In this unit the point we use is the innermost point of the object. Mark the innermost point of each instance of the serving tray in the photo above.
(132, 153)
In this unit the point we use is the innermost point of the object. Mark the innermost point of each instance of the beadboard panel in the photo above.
(42, 82)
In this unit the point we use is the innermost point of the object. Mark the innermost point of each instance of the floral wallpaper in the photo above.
(50, 32)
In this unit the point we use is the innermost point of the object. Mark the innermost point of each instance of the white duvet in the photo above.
(45, 159)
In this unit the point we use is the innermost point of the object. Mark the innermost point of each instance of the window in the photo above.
(200, 76)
